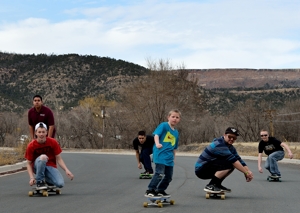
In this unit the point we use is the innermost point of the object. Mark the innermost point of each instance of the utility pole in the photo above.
(269, 116)
(103, 125)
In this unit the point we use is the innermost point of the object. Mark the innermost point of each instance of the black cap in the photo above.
(232, 130)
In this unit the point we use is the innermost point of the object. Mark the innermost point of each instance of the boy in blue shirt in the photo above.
(166, 142)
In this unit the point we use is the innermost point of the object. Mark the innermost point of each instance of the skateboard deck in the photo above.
(145, 176)
(270, 179)
(158, 201)
(215, 195)
(44, 192)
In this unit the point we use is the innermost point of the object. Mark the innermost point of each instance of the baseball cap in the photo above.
(232, 130)
(40, 125)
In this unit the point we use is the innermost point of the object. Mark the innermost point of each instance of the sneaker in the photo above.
(274, 176)
(41, 185)
(163, 194)
(145, 173)
(224, 189)
(212, 188)
(151, 193)
(50, 185)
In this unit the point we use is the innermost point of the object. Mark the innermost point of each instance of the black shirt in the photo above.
(147, 144)
(269, 147)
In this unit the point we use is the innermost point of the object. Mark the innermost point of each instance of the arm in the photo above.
(248, 174)
(62, 164)
(288, 149)
(259, 162)
(30, 172)
(31, 132)
(137, 156)
(50, 132)
(156, 140)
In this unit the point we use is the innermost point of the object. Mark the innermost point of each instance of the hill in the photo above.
(63, 80)
(246, 78)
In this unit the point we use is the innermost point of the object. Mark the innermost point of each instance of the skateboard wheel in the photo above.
(58, 192)
(45, 193)
(223, 197)
(30, 193)
(160, 205)
(145, 204)
(172, 202)
(158, 201)
(207, 196)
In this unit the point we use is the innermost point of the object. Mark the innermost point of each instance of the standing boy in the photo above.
(43, 154)
(273, 148)
(40, 113)
(218, 160)
(166, 142)
(146, 143)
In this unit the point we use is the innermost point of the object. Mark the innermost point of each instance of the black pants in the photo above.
(208, 170)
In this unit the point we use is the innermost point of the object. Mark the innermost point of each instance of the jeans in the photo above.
(146, 160)
(162, 178)
(48, 173)
(271, 162)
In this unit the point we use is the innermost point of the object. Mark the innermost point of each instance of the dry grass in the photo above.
(10, 156)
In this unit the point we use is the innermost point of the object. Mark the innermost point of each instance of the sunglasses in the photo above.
(263, 135)
(231, 137)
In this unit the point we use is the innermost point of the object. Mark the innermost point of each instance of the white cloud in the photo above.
(214, 34)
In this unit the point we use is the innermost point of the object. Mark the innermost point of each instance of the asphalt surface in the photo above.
(110, 183)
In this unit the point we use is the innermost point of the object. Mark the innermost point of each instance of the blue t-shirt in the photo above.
(168, 138)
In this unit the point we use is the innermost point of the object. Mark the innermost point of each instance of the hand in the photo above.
(158, 146)
(140, 166)
(249, 176)
(260, 169)
(31, 181)
(291, 155)
(69, 174)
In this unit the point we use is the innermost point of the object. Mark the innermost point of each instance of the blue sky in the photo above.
(260, 34)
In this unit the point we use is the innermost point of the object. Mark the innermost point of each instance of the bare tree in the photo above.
(146, 102)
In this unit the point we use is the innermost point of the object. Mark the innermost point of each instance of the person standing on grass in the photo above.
(218, 161)
(43, 154)
(166, 142)
(146, 143)
(40, 113)
(274, 149)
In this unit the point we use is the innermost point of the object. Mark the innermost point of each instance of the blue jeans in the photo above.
(271, 162)
(48, 173)
(162, 178)
(146, 160)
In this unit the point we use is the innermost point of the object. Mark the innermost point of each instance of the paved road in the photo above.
(109, 183)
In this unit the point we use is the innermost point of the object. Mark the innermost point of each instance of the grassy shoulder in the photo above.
(9, 156)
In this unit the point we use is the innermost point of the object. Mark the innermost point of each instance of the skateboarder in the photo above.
(166, 142)
(145, 142)
(43, 155)
(40, 113)
(274, 149)
(218, 160)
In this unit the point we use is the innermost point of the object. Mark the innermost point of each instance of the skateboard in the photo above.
(158, 201)
(215, 195)
(270, 179)
(44, 192)
(146, 176)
